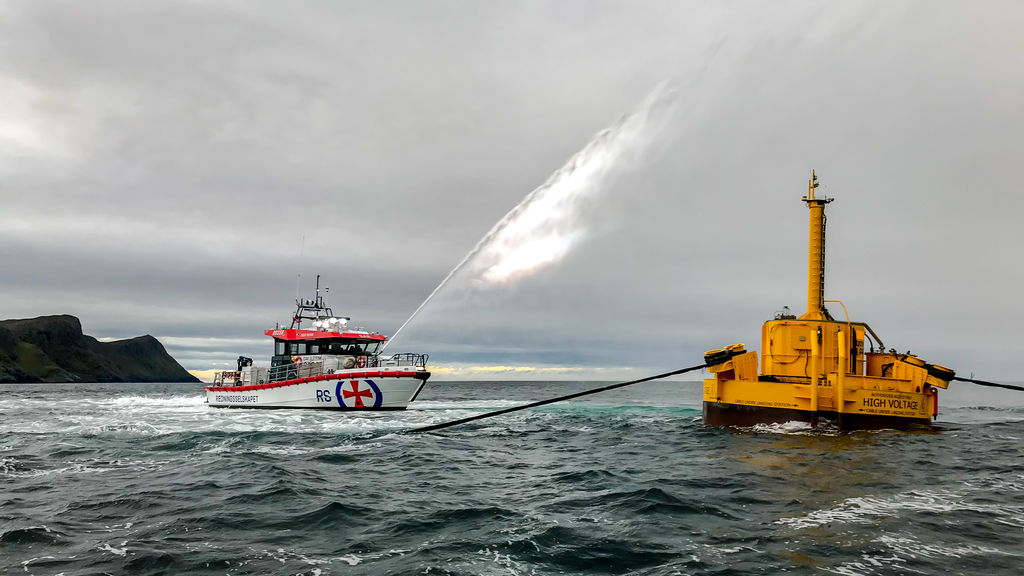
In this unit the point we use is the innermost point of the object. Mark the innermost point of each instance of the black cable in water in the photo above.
(993, 384)
(559, 399)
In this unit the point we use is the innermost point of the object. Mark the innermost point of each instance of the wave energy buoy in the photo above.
(814, 368)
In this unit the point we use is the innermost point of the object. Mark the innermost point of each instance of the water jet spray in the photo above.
(544, 226)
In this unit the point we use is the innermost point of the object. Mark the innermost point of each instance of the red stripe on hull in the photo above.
(323, 377)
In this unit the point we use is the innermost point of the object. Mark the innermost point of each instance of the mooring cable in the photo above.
(993, 384)
(558, 399)
(630, 383)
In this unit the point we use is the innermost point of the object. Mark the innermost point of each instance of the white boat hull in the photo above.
(358, 389)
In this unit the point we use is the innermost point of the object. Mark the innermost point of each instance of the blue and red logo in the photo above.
(358, 394)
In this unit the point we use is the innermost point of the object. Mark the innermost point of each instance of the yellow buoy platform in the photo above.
(814, 368)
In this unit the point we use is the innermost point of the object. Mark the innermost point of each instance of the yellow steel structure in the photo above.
(815, 368)
(816, 254)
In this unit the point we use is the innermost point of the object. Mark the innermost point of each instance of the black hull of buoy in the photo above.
(721, 414)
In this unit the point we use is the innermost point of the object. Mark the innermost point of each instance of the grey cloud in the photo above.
(166, 163)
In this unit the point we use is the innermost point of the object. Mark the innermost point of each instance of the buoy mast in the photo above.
(816, 254)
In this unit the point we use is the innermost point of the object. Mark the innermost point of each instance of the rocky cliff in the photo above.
(53, 349)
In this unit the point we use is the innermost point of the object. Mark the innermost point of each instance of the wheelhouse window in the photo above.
(338, 346)
(349, 347)
(353, 348)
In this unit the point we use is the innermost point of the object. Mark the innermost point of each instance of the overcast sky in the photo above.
(170, 168)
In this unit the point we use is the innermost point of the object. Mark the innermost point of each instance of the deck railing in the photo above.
(403, 359)
(310, 369)
(292, 371)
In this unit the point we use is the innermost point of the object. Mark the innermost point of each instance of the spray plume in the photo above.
(545, 225)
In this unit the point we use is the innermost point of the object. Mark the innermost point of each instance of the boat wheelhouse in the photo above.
(327, 365)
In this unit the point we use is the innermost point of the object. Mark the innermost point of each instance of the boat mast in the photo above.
(816, 254)
(310, 309)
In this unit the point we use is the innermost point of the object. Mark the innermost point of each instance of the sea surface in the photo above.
(146, 479)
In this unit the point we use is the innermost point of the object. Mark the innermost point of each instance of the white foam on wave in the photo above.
(154, 415)
(504, 561)
(133, 414)
(115, 528)
(144, 415)
(902, 548)
(10, 469)
(286, 556)
(129, 401)
(350, 559)
(792, 427)
(1005, 483)
(718, 554)
(144, 401)
(905, 546)
(293, 450)
(909, 546)
(352, 447)
(865, 510)
(123, 551)
(869, 566)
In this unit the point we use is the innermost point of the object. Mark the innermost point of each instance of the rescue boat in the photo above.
(814, 368)
(327, 366)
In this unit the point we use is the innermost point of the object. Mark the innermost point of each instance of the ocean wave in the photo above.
(334, 516)
(862, 510)
(143, 415)
(910, 546)
(641, 502)
(907, 553)
(179, 487)
(30, 535)
(1008, 482)
(11, 468)
(588, 478)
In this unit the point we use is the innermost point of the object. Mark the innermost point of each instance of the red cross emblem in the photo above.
(358, 394)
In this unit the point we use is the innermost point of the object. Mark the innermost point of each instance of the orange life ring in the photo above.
(361, 362)
(297, 360)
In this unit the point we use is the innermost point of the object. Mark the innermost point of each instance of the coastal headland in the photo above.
(54, 349)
